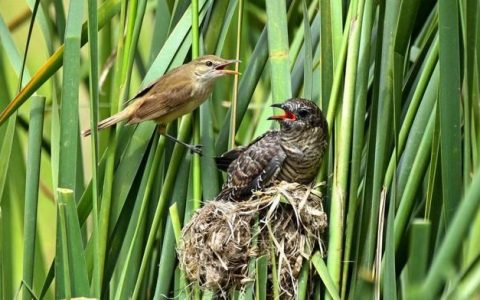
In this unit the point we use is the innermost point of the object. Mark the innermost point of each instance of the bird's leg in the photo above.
(161, 129)
(193, 148)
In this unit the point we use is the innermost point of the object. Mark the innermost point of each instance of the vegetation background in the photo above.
(99, 217)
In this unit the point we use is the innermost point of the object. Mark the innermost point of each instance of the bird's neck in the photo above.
(310, 137)
(202, 88)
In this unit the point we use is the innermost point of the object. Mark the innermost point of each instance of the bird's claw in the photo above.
(198, 149)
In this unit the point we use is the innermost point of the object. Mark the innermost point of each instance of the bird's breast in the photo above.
(304, 153)
(202, 90)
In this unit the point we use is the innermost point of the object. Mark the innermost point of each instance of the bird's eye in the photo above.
(209, 63)
(303, 113)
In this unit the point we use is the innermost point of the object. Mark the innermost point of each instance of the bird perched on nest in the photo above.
(176, 93)
(292, 154)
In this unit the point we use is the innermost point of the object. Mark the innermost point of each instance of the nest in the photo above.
(222, 237)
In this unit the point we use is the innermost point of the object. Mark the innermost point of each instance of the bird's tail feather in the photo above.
(118, 117)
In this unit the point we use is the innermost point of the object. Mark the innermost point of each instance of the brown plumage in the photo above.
(292, 154)
(176, 93)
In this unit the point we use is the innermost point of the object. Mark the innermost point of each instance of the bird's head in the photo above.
(300, 114)
(209, 67)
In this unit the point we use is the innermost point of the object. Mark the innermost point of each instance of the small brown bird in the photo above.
(176, 93)
(292, 154)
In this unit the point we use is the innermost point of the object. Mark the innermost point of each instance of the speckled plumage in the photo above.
(292, 154)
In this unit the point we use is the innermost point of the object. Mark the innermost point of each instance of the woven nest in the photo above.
(222, 237)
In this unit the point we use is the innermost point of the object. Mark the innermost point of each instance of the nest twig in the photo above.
(218, 242)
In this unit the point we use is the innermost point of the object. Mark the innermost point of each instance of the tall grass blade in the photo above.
(128, 267)
(384, 124)
(278, 50)
(68, 155)
(327, 280)
(261, 278)
(418, 258)
(31, 192)
(166, 265)
(67, 290)
(308, 48)
(449, 106)
(97, 277)
(162, 202)
(340, 179)
(70, 245)
(358, 139)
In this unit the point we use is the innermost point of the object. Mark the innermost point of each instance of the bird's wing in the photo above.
(142, 92)
(223, 161)
(157, 103)
(152, 85)
(256, 167)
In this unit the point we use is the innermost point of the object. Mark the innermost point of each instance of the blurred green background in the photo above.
(92, 217)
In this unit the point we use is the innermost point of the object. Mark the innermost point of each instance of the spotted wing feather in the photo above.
(255, 168)
(223, 161)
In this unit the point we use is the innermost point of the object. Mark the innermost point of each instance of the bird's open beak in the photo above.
(222, 69)
(288, 115)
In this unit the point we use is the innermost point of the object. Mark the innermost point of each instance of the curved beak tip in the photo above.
(276, 105)
(287, 115)
(227, 71)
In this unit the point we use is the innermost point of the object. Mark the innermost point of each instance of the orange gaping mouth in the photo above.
(286, 116)
(222, 67)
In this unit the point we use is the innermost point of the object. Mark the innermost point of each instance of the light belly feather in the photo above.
(180, 111)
